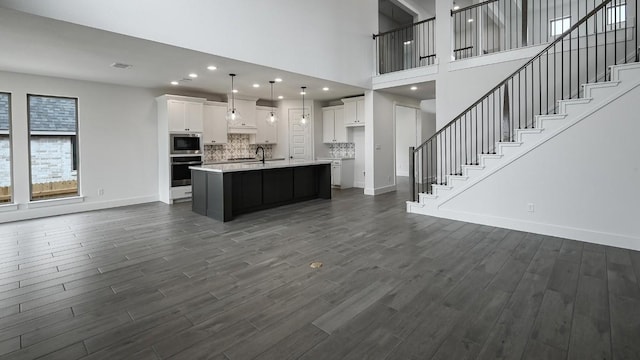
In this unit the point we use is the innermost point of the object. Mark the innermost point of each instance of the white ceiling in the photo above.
(42, 46)
(424, 91)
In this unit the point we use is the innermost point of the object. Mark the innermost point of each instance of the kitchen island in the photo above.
(223, 191)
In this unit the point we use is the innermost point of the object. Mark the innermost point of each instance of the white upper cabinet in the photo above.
(265, 133)
(340, 131)
(185, 116)
(215, 123)
(354, 111)
(333, 129)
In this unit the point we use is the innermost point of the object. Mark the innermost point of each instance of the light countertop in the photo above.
(234, 167)
(238, 161)
(336, 158)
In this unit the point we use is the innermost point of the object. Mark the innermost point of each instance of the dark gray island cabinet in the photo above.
(225, 190)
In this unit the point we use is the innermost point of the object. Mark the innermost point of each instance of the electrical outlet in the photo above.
(531, 207)
(100, 192)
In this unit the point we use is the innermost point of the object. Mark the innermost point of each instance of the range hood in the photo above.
(242, 129)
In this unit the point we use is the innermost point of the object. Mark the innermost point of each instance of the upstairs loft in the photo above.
(491, 27)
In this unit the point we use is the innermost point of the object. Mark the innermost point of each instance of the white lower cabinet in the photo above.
(342, 173)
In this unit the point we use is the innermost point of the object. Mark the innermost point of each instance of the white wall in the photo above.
(116, 137)
(335, 35)
(578, 190)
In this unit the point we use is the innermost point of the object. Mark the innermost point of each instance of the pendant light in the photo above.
(304, 119)
(272, 119)
(233, 117)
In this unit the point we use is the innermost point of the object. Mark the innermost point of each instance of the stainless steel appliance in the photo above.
(180, 173)
(185, 144)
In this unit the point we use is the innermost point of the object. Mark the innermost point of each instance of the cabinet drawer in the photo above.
(181, 192)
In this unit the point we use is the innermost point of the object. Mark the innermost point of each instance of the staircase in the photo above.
(581, 72)
(596, 96)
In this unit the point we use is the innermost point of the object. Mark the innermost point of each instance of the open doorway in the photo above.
(407, 135)
(413, 126)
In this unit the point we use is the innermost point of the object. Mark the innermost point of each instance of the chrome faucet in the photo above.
(261, 148)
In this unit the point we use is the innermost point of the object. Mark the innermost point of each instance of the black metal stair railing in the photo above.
(407, 47)
(498, 25)
(607, 35)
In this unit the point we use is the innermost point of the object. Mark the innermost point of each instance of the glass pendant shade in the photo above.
(304, 119)
(233, 117)
(272, 117)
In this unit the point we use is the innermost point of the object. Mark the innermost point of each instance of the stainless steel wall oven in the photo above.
(180, 173)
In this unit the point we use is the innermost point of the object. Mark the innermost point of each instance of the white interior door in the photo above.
(299, 136)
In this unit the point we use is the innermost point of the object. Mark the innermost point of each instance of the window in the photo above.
(559, 25)
(53, 150)
(616, 14)
(5, 149)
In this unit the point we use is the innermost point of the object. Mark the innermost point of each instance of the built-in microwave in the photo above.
(189, 143)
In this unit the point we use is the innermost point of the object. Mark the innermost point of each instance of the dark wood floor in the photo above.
(156, 281)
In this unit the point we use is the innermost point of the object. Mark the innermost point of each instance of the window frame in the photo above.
(561, 19)
(75, 155)
(612, 12)
(10, 134)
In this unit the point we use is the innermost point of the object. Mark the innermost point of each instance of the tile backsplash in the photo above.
(237, 146)
(342, 150)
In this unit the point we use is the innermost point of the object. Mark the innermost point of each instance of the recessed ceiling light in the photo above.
(414, 88)
(174, 83)
(119, 65)
(235, 91)
(280, 97)
(303, 93)
(193, 75)
(256, 85)
(278, 80)
(325, 89)
(470, 20)
(456, 7)
(211, 67)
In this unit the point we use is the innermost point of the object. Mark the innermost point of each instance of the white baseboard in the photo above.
(586, 235)
(380, 190)
(24, 213)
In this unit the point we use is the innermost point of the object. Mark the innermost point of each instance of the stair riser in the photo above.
(471, 172)
(622, 71)
(457, 181)
(572, 109)
(525, 137)
(490, 162)
(551, 124)
(508, 150)
(598, 92)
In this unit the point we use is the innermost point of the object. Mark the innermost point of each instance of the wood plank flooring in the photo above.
(159, 282)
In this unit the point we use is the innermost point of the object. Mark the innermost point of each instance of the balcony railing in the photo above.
(498, 25)
(407, 47)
